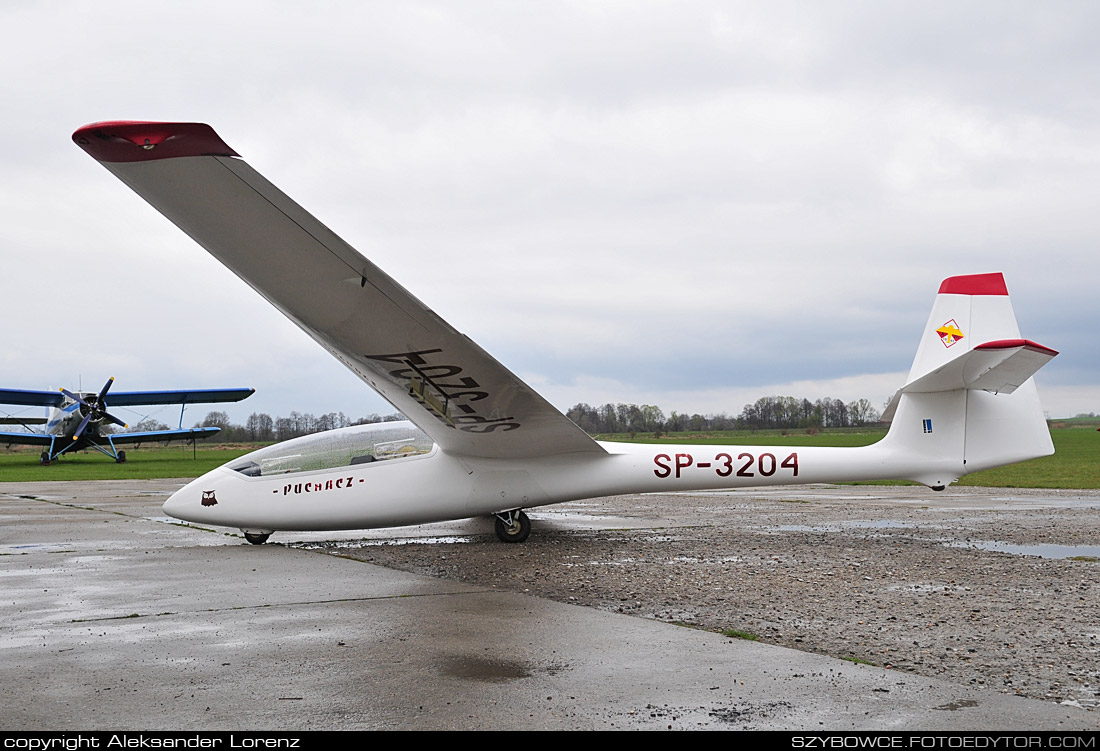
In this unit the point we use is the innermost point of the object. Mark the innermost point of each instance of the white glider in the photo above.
(479, 441)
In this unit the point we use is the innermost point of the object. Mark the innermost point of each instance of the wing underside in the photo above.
(462, 397)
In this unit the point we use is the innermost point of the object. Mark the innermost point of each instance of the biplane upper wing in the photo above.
(56, 398)
(32, 398)
(446, 384)
(191, 396)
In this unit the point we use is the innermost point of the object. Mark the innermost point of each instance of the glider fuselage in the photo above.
(429, 484)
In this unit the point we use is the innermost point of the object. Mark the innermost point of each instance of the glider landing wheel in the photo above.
(512, 526)
(121, 458)
(256, 539)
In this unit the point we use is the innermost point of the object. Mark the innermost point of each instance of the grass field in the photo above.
(1075, 463)
(141, 464)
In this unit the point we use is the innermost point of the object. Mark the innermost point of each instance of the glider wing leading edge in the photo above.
(448, 386)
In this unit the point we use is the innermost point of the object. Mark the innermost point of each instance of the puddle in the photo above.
(167, 520)
(928, 588)
(570, 516)
(352, 544)
(1042, 551)
(51, 498)
(955, 706)
(694, 559)
(494, 670)
(39, 546)
(617, 562)
(837, 526)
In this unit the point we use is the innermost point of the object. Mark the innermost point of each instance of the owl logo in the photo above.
(208, 498)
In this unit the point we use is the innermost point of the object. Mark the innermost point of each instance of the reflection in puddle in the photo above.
(354, 544)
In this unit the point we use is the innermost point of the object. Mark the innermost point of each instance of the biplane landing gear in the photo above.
(45, 458)
(256, 538)
(512, 526)
(121, 458)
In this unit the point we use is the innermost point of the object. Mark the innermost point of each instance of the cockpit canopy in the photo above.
(359, 444)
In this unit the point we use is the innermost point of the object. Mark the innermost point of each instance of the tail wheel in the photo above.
(512, 526)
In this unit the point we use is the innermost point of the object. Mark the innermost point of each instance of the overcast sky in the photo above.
(687, 204)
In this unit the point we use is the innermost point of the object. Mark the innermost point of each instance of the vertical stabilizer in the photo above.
(970, 402)
(968, 310)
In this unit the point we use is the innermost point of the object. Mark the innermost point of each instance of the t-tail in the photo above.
(969, 402)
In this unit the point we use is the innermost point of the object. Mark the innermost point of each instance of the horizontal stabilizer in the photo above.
(998, 367)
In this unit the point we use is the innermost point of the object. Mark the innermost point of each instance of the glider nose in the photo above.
(189, 503)
(175, 506)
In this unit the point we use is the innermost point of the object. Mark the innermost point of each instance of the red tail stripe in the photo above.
(975, 284)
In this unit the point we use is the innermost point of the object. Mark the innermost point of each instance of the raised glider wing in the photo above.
(76, 418)
(479, 441)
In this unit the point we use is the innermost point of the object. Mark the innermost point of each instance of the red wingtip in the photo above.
(129, 141)
(975, 284)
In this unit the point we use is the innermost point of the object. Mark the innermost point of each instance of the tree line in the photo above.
(262, 427)
(767, 412)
